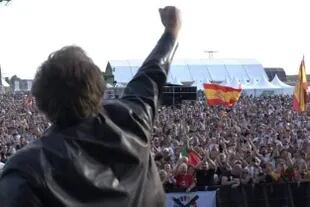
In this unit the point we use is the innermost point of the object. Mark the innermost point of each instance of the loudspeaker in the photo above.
(176, 94)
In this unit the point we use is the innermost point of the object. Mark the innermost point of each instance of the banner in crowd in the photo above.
(300, 92)
(218, 94)
(192, 199)
(193, 157)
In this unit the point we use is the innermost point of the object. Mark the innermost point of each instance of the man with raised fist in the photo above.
(94, 154)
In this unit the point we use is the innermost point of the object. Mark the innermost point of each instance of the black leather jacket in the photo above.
(102, 161)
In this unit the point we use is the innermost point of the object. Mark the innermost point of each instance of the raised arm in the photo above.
(144, 89)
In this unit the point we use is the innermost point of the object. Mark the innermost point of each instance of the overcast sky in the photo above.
(275, 32)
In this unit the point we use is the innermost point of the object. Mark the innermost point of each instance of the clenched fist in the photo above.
(171, 19)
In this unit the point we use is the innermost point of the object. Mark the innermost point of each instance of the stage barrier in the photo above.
(258, 195)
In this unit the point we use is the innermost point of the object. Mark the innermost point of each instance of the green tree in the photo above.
(11, 81)
(7, 1)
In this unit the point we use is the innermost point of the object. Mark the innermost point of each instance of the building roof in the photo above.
(271, 72)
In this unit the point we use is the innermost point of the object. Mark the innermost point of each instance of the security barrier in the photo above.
(262, 195)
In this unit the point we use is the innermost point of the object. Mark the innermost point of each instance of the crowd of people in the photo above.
(20, 123)
(258, 140)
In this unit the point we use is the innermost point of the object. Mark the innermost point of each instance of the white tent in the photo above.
(250, 85)
(276, 81)
(196, 70)
(206, 80)
(235, 83)
(249, 74)
(261, 87)
(263, 83)
(285, 88)
(3, 86)
(244, 81)
(4, 83)
(176, 81)
(226, 82)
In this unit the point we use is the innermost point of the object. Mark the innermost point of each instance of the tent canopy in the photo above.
(196, 70)
(277, 82)
(263, 83)
(4, 83)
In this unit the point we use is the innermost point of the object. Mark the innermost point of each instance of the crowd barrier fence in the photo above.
(261, 195)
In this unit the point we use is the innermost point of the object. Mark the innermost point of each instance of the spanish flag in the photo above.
(221, 95)
(300, 91)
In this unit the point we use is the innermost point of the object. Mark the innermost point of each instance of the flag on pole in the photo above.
(193, 158)
(300, 91)
(221, 95)
(184, 152)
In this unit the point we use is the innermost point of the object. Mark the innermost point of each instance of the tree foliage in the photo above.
(11, 80)
(7, 1)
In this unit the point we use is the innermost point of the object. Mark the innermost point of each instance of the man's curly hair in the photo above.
(68, 87)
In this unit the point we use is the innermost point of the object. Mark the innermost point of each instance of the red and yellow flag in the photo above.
(221, 95)
(300, 91)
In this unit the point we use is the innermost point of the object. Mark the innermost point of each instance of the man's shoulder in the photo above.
(25, 160)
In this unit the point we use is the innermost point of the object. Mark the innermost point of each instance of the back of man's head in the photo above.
(68, 86)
